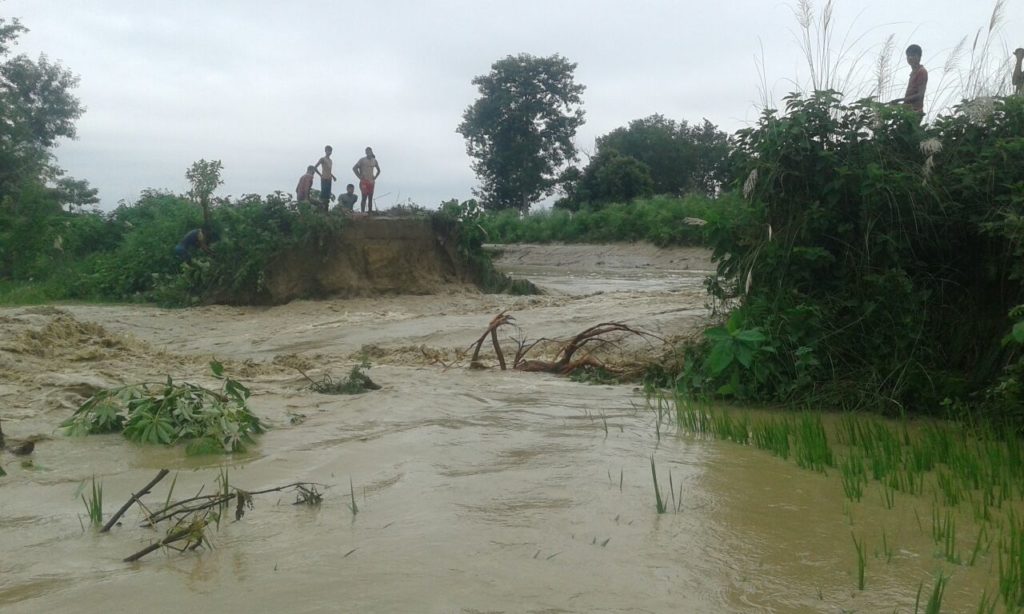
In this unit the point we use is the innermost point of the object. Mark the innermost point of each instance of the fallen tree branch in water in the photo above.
(492, 331)
(182, 508)
(194, 532)
(135, 497)
(189, 518)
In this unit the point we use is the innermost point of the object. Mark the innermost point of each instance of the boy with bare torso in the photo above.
(918, 83)
(325, 164)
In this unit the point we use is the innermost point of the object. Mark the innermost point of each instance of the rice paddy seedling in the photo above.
(811, 447)
(980, 506)
(224, 490)
(690, 417)
(1011, 563)
(934, 605)
(888, 497)
(852, 472)
(981, 542)
(949, 549)
(659, 502)
(737, 430)
(986, 606)
(353, 506)
(944, 533)
(94, 504)
(949, 487)
(677, 502)
(861, 560)
(772, 435)
(886, 548)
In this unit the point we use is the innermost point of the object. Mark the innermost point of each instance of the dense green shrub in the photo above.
(462, 224)
(128, 254)
(877, 259)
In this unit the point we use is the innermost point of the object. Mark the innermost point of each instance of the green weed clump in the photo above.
(210, 421)
(659, 501)
(461, 224)
(94, 503)
(861, 560)
(356, 382)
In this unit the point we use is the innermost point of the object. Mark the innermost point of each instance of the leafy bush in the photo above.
(877, 258)
(168, 413)
(462, 224)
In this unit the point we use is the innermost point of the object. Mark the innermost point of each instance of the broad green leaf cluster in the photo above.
(208, 421)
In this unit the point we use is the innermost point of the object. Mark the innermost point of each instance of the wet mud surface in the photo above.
(478, 491)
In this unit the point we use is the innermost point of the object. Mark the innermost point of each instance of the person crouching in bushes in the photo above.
(195, 239)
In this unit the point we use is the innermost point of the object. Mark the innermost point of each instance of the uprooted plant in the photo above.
(168, 412)
(573, 356)
(356, 382)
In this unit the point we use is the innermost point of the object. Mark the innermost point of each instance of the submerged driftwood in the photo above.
(190, 517)
(573, 354)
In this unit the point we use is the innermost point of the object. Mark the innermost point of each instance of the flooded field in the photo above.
(477, 491)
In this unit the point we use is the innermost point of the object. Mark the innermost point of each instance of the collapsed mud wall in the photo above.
(373, 256)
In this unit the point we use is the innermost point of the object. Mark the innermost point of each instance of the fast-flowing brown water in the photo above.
(477, 491)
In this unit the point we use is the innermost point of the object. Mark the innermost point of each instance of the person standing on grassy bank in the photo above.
(1018, 73)
(367, 170)
(325, 164)
(914, 98)
(305, 185)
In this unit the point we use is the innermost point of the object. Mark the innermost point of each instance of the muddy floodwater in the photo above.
(477, 491)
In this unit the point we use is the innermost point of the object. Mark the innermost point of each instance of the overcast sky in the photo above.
(263, 85)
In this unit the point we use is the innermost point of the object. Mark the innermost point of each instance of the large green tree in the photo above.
(682, 158)
(520, 130)
(37, 107)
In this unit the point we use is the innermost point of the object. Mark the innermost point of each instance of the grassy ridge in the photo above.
(662, 220)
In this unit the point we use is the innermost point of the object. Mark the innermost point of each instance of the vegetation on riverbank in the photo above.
(878, 264)
(662, 220)
(127, 255)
